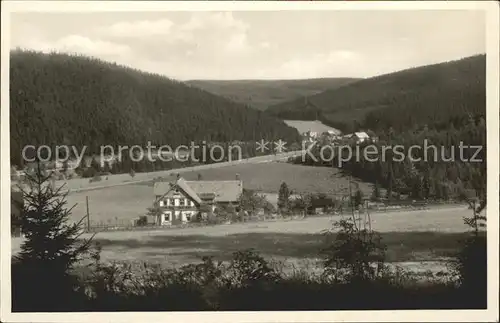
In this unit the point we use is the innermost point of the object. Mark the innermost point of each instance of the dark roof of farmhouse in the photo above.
(222, 191)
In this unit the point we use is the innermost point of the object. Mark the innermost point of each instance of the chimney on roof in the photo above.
(237, 176)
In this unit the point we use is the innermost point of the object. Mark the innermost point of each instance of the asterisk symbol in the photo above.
(262, 145)
(280, 145)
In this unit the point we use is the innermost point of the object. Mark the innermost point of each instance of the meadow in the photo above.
(124, 203)
(411, 236)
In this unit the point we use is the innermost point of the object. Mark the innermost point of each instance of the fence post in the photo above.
(88, 214)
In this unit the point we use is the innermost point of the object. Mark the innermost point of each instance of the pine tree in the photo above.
(283, 197)
(51, 249)
(358, 199)
(95, 165)
(65, 167)
(390, 178)
(107, 167)
(80, 169)
(376, 192)
(126, 164)
(117, 167)
(426, 186)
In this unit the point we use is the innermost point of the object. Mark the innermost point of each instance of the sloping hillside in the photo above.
(261, 94)
(305, 126)
(60, 99)
(435, 94)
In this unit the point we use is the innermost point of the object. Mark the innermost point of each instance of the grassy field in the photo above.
(267, 177)
(304, 126)
(416, 236)
(121, 204)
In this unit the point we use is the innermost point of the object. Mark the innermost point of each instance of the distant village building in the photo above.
(87, 160)
(306, 137)
(182, 200)
(333, 132)
(57, 165)
(361, 136)
(166, 154)
(327, 135)
(357, 137)
(310, 136)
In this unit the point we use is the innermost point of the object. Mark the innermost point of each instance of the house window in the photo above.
(181, 202)
(172, 201)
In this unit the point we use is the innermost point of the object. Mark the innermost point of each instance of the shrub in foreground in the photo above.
(247, 282)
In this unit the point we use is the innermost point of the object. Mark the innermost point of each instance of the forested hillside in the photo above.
(260, 94)
(434, 95)
(435, 168)
(60, 99)
(436, 109)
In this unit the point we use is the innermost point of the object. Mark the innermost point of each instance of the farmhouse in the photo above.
(182, 200)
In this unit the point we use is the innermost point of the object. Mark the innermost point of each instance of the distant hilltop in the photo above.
(261, 94)
(66, 99)
(430, 94)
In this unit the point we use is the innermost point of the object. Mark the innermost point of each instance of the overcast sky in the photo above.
(258, 45)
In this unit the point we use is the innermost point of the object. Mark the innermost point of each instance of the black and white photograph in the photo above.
(284, 161)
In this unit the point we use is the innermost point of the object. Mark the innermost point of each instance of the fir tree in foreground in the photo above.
(42, 273)
(471, 264)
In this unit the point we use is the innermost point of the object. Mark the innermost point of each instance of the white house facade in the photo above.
(183, 200)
